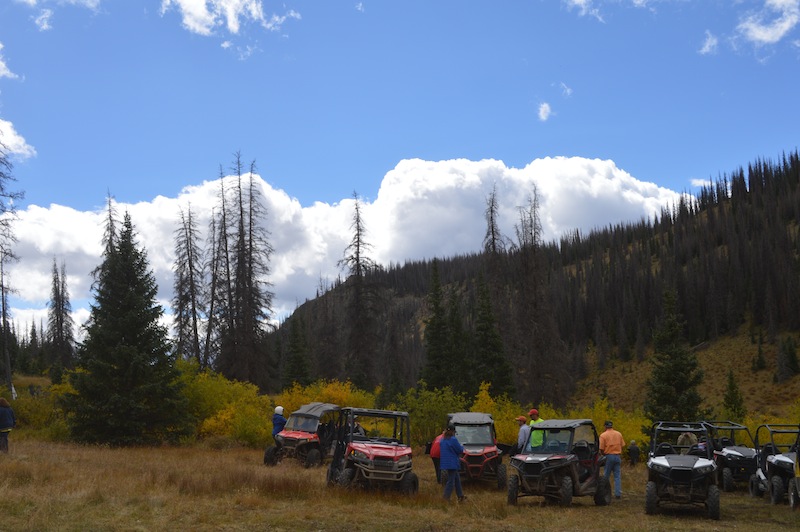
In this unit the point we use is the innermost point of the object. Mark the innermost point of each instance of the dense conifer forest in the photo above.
(552, 312)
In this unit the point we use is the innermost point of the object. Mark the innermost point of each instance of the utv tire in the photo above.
(727, 479)
(313, 458)
(794, 495)
(409, 484)
(650, 498)
(346, 477)
(271, 456)
(754, 486)
(502, 476)
(332, 477)
(513, 490)
(602, 497)
(565, 492)
(776, 489)
(712, 502)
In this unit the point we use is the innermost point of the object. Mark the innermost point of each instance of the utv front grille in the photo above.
(681, 476)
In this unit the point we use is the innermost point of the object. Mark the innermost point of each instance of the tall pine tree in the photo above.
(672, 389)
(60, 325)
(126, 389)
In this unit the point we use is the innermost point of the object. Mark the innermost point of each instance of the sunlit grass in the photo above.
(49, 486)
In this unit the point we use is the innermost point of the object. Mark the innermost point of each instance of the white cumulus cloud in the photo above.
(14, 142)
(423, 209)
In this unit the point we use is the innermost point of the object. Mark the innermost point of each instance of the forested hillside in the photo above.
(554, 312)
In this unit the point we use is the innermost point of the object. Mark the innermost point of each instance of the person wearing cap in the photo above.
(450, 461)
(522, 435)
(278, 422)
(611, 445)
(537, 436)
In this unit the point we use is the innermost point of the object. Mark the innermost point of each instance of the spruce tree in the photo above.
(491, 362)
(733, 402)
(60, 325)
(672, 389)
(437, 364)
(297, 363)
(126, 388)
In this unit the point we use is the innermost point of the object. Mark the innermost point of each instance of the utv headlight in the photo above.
(491, 454)
(705, 469)
(359, 455)
(404, 460)
(660, 467)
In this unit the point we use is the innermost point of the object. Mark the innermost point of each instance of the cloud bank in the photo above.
(423, 209)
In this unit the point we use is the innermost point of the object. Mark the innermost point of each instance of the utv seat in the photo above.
(664, 449)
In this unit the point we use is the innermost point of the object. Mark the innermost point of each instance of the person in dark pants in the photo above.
(451, 450)
(7, 422)
(633, 453)
(436, 454)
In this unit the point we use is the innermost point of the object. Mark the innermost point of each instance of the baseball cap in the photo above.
(523, 419)
(533, 412)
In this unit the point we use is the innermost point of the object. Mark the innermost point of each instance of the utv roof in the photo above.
(470, 418)
(315, 409)
(680, 426)
(561, 424)
(367, 412)
(725, 425)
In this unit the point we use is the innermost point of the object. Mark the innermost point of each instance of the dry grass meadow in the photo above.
(47, 486)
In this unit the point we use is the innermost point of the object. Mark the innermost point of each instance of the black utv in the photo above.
(681, 468)
(734, 453)
(776, 450)
(564, 462)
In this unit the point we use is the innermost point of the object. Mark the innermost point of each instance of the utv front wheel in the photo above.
(776, 489)
(754, 486)
(602, 497)
(712, 502)
(409, 484)
(346, 477)
(727, 479)
(513, 489)
(650, 498)
(313, 458)
(502, 476)
(271, 456)
(566, 491)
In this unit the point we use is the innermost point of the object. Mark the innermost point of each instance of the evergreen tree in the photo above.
(127, 390)
(491, 363)
(362, 303)
(733, 402)
(60, 325)
(297, 363)
(786, 363)
(672, 388)
(437, 370)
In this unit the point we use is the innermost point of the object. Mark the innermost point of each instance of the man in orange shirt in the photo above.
(611, 445)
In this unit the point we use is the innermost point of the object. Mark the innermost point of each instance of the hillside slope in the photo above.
(625, 383)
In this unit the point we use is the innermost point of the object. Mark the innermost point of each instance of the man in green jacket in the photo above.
(537, 437)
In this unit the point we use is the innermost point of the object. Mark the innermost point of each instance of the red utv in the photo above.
(482, 460)
(307, 436)
(373, 451)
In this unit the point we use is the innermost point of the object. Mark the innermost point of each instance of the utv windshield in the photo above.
(303, 423)
(474, 434)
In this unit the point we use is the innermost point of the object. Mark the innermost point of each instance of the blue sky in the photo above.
(628, 100)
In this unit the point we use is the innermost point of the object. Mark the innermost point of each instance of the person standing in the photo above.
(537, 436)
(633, 453)
(7, 422)
(278, 422)
(436, 454)
(451, 451)
(611, 445)
(523, 434)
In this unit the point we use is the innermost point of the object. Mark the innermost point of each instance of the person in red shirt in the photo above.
(436, 455)
(611, 445)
